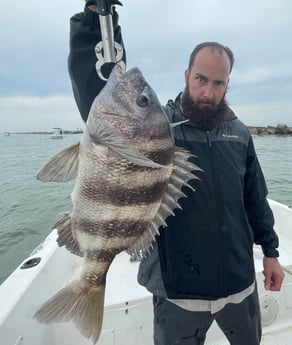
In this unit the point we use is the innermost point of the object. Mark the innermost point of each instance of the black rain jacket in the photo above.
(206, 251)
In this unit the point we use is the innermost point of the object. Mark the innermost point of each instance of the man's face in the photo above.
(208, 78)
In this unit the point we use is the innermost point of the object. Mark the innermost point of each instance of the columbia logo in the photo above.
(230, 136)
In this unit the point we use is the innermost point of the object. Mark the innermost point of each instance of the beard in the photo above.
(203, 113)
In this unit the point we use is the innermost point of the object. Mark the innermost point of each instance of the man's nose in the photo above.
(209, 91)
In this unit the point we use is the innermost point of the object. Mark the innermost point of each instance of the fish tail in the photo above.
(79, 303)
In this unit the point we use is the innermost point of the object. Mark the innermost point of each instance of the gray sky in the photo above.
(35, 90)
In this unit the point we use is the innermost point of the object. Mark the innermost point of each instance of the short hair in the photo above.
(215, 45)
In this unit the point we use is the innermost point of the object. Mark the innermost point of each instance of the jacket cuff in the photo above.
(271, 252)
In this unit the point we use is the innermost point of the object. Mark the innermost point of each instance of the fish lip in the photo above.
(126, 74)
(118, 71)
(118, 74)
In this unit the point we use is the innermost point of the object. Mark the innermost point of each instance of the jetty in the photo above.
(280, 129)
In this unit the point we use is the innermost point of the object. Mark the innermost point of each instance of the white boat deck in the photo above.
(128, 306)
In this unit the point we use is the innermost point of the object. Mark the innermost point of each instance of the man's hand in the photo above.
(91, 5)
(273, 273)
(104, 5)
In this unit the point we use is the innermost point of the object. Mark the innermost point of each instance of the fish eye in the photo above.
(143, 101)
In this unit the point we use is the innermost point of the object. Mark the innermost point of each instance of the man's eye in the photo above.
(220, 83)
(200, 79)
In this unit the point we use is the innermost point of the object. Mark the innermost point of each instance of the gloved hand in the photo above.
(91, 5)
(92, 19)
(104, 5)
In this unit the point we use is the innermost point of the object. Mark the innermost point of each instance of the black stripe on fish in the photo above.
(124, 196)
(114, 228)
(163, 156)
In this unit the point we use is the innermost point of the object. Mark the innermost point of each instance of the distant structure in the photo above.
(280, 129)
(58, 133)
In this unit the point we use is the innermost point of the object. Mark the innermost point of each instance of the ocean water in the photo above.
(28, 208)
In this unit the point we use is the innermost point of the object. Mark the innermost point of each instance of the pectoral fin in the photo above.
(109, 137)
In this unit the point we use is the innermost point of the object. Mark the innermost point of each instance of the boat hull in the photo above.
(128, 306)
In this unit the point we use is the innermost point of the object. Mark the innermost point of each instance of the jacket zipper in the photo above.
(208, 139)
(220, 247)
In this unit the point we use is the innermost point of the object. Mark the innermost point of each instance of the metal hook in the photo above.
(107, 50)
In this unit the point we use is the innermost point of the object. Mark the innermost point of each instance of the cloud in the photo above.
(159, 36)
(266, 113)
(38, 113)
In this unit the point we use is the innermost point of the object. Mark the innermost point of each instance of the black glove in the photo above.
(102, 7)
(91, 17)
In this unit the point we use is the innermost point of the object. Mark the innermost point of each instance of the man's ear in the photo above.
(187, 74)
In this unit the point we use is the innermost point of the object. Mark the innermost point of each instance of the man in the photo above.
(202, 267)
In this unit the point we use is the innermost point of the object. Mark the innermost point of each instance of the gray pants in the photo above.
(240, 323)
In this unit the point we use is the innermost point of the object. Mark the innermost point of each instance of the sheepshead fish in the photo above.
(129, 176)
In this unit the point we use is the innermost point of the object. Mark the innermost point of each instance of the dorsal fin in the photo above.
(182, 173)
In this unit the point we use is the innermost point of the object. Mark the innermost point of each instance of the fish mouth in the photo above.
(133, 70)
(122, 74)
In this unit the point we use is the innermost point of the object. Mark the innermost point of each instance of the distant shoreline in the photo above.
(280, 129)
(47, 132)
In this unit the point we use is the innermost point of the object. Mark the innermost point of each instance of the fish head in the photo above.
(128, 103)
